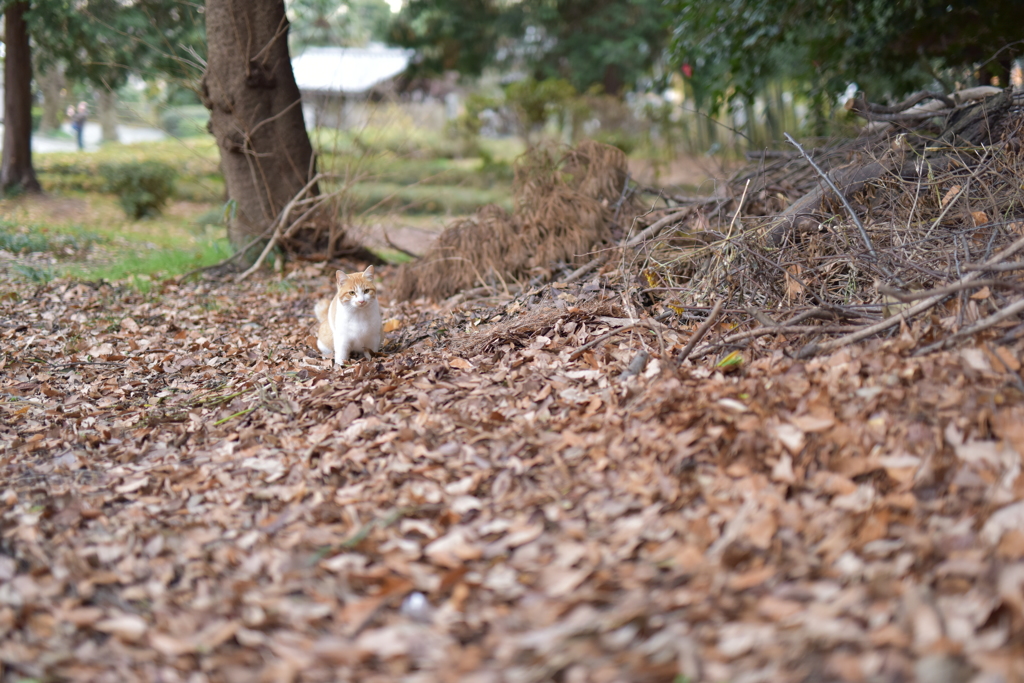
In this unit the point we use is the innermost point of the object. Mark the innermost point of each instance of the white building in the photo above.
(332, 79)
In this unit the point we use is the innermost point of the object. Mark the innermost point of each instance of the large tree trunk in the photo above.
(17, 171)
(255, 112)
(106, 105)
(51, 82)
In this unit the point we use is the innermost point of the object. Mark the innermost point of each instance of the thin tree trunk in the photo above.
(106, 105)
(17, 171)
(255, 112)
(51, 82)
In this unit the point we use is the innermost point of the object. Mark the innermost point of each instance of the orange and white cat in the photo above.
(350, 322)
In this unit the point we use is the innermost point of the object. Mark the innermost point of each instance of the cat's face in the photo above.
(356, 289)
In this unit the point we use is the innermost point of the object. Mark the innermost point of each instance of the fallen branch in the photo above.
(997, 268)
(813, 349)
(948, 289)
(278, 222)
(653, 229)
(842, 197)
(980, 326)
(787, 329)
(604, 337)
(860, 104)
(584, 269)
(608, 335)
(387, 239)
(636, 366)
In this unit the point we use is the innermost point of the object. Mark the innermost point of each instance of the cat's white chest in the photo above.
(356, 329)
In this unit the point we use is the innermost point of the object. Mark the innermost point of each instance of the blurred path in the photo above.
(128, 135)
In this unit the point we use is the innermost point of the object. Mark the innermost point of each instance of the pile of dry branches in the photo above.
(875, 232)
(913, 225)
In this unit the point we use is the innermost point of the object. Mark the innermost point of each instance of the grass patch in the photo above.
(392, 255)
(101, 243)
(141, 268)
(19, 238)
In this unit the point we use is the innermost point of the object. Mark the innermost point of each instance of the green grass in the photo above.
(70, 240)
(392, 255)
(102, 243)
(140, 268)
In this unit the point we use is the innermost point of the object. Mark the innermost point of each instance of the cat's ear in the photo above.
(368, 273)
(340, 276)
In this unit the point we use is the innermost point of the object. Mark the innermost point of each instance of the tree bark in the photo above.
(255, 112)
(51, 82)
(106, 111)
(17, 171)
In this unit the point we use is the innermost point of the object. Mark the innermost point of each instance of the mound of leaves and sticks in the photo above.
(770, 435)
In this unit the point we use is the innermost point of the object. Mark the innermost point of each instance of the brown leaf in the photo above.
(127, 627)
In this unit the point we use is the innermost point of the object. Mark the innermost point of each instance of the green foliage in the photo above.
(33, 273)
(612, 43)
(142, 187)
(623, 139)
(459, 35)
(102, 41)
(536, 101)
(337, 23)
(888, 47)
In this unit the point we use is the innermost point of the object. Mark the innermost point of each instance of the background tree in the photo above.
(52, 85)
(102, 42)
(887, 47)
(613, 43)
(338, 23)
(255, 112)
(17, 171)
(451, 35)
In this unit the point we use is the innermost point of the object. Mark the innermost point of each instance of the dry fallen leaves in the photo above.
(190, 493)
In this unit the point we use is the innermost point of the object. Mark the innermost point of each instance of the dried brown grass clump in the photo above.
(470, 250)
(562, 201)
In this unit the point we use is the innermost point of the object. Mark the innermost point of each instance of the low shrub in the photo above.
(142, 187)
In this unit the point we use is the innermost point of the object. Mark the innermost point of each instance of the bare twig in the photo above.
(282, 217)
(995, 268)
(584, 269)
(980, 326)
(860, 103)
(604, 337)
(608, 335)
(387, 239)
(842, 197)
(701, 331)
(812, 349)
(653, 229)
(948, 289)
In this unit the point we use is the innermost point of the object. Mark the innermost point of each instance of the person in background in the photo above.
(78, 119)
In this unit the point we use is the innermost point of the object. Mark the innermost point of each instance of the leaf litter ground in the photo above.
(188, 493)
